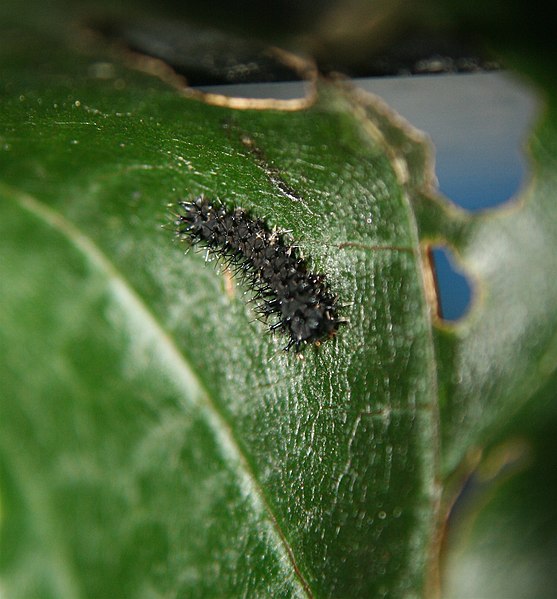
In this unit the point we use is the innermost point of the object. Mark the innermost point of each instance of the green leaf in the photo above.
(509, 517)
(500, 385)
(158, 442)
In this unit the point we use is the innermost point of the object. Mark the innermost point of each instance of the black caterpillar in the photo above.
(300, 301)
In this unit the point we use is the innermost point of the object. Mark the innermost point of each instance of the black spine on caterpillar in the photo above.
(298, 300)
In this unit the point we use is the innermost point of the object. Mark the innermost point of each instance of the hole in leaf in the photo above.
(454, 292)
(478, 123)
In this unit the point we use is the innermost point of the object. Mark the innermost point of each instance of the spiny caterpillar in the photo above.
(298, 302)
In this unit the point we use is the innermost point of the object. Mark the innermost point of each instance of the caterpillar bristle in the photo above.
(278, 277)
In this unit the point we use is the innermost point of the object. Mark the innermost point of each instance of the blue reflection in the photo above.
(479, 126)
(454, 289)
